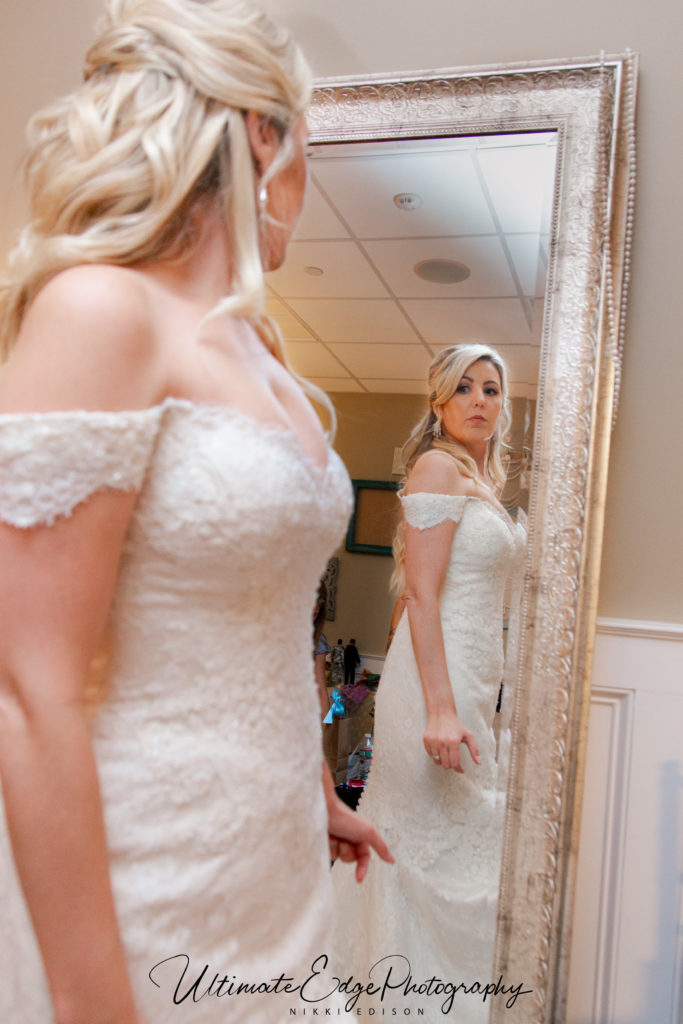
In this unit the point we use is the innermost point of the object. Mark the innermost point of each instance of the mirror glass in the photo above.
(406, 246)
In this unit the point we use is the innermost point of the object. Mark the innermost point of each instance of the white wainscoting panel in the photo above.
(627, 945)
(600, 870)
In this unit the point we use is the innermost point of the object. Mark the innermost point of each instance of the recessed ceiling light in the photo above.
(408, 201)
(314, 271)
(442, 271)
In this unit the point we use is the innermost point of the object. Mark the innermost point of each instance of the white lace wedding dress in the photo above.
(207, 738)
(436, 907)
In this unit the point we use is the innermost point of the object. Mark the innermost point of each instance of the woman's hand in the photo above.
(443, 736)
(352, 838)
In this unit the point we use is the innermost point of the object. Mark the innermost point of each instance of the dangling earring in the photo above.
(262, 201)
(436, 429)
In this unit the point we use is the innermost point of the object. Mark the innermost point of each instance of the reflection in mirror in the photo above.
(590, 105)
(360, 321)
(405, 247)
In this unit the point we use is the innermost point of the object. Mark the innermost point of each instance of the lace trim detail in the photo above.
(431, 509)
(425, 509)
(51, 462)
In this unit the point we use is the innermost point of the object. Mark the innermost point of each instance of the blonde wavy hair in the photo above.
(115, 169)
(445, 373)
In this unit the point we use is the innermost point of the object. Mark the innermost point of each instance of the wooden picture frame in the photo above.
(375, 516)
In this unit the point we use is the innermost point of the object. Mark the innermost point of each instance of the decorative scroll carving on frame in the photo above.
(590, 104)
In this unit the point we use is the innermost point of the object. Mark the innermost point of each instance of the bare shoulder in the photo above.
(87, 341)
(436, 472)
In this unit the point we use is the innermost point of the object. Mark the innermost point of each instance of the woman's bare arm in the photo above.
(55, 591)
(56, 586)
(426, 559)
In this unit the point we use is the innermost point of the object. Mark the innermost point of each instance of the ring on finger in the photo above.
(435, 757)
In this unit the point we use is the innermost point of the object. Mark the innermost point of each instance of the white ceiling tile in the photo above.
(549, 187)
(489, 270)
(548, 139)
(332, 384)
(401, 362)
(318, 219)
(346, 272)
(519, 180)
(292, 330)
(542, 270)
(375, 346)
(274, 306)
(290, 327)
(355, 320)
(526, 254)
(543, 263)
(362, 189)
(312, 360)
(537, 322)
(397, 387)
(396, 147)
(451, 321)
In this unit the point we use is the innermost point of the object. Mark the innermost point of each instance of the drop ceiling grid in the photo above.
(372, 306)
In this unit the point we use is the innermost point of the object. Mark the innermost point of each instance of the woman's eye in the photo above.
(491, 391)
(462, 388)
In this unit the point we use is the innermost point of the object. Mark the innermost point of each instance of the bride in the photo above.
(437, 785)
(160, 469)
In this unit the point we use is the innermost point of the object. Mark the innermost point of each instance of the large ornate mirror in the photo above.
(546, 284)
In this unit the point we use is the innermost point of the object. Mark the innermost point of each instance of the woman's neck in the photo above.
(204, 273)
(478, 454)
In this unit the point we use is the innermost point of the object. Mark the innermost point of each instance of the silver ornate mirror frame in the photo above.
(590, 103)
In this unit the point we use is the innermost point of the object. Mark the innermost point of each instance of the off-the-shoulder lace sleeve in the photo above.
(50, 462)
(424, 509)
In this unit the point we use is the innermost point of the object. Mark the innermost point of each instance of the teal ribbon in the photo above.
(336, 708)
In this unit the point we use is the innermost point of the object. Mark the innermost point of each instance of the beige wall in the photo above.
(370, 427)
(41, 45)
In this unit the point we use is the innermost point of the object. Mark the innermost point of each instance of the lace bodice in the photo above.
(207, 735)
(485, 559)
